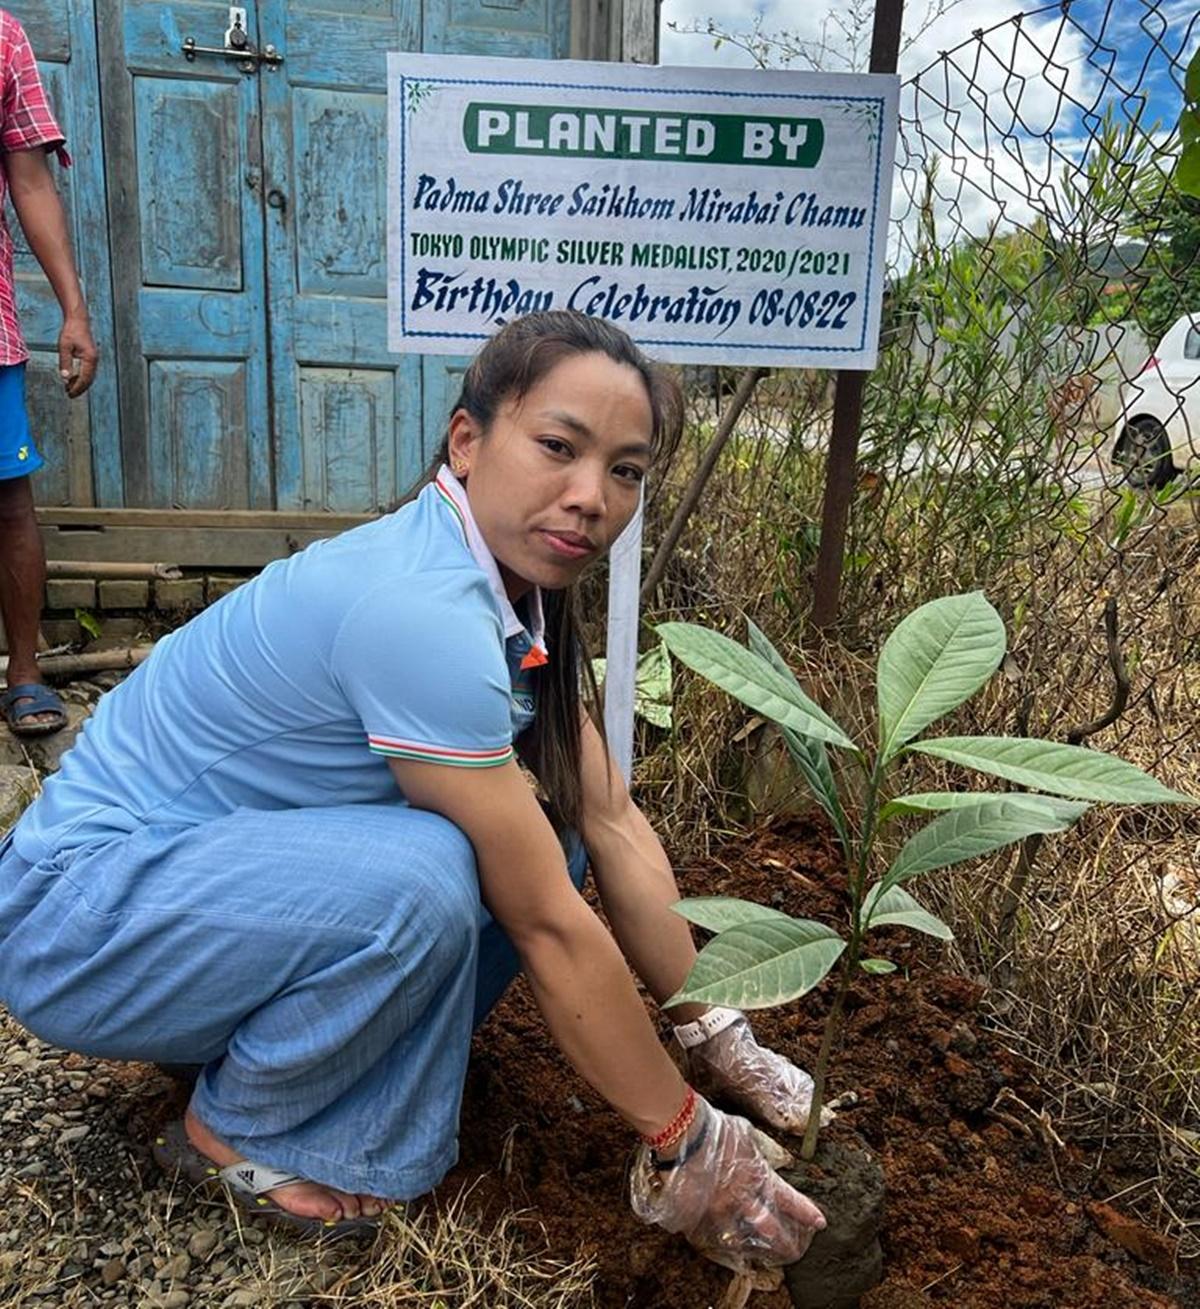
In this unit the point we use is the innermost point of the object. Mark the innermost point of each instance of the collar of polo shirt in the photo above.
(454, 496)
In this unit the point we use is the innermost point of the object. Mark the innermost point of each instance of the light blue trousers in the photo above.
(327, 966)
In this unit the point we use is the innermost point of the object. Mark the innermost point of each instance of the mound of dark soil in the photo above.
(984, 1210)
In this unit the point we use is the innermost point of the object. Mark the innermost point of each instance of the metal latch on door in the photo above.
(237, 45)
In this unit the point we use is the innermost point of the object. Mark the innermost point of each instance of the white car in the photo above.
(1158, 434)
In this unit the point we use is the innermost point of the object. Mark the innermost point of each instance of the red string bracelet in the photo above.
(677, 1126)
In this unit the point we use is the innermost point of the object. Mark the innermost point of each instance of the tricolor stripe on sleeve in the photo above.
(437, 754)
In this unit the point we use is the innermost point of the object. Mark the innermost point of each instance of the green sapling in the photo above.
(937, 658)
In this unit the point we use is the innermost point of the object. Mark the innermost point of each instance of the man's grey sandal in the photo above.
(245, 1183)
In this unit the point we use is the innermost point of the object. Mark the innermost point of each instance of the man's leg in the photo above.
(22, 556)
(22, 581)
(22, 578)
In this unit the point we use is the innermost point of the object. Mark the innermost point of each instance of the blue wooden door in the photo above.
(518, 29)
(354, 425)
(183, 148)
(246, 239)
(346, 417)
(78, 438)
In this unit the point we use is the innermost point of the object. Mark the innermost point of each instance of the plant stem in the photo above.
(856, 882)
(832, 1023)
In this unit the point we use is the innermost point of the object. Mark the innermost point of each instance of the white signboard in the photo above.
(717, 215)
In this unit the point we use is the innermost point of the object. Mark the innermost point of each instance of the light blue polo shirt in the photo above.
(393, 639)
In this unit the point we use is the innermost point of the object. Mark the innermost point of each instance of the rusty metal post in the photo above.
(842, 462)
(840, 468)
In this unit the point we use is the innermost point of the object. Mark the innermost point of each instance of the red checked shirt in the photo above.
(26, 123)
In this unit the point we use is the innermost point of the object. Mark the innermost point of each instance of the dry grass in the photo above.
(432, 1257)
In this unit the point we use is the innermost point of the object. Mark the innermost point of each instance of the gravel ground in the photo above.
(88, 1219)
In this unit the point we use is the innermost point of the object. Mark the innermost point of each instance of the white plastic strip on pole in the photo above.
(624, 580)
(639, 27)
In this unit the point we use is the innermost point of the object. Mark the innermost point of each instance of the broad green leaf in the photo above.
(652, 687)
(937, 801)
(1068, 770)
(751, 680)
(968, 833)
(937, 657)
(896, 908)
(877, 966)
(759, 964)
(1191, 80)
(1189, 127)
(715, 913)
(1187, 170)
(658, 714)
(808, 754)
(810, 757)
(761, 645)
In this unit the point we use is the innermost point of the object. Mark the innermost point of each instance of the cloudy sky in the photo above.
(1010, 131)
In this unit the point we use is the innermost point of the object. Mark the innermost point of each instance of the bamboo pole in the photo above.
(94, 568)
(91, 661)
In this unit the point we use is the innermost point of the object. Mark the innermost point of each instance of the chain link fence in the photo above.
(1028, 432)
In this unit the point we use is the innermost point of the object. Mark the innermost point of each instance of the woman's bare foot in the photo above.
(307, 1199)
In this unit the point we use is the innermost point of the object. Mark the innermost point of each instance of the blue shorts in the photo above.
(18, 454)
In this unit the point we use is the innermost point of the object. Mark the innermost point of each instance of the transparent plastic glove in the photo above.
(725, 1196)
(734, 1066)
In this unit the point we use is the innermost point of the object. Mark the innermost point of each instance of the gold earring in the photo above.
(459, 469)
